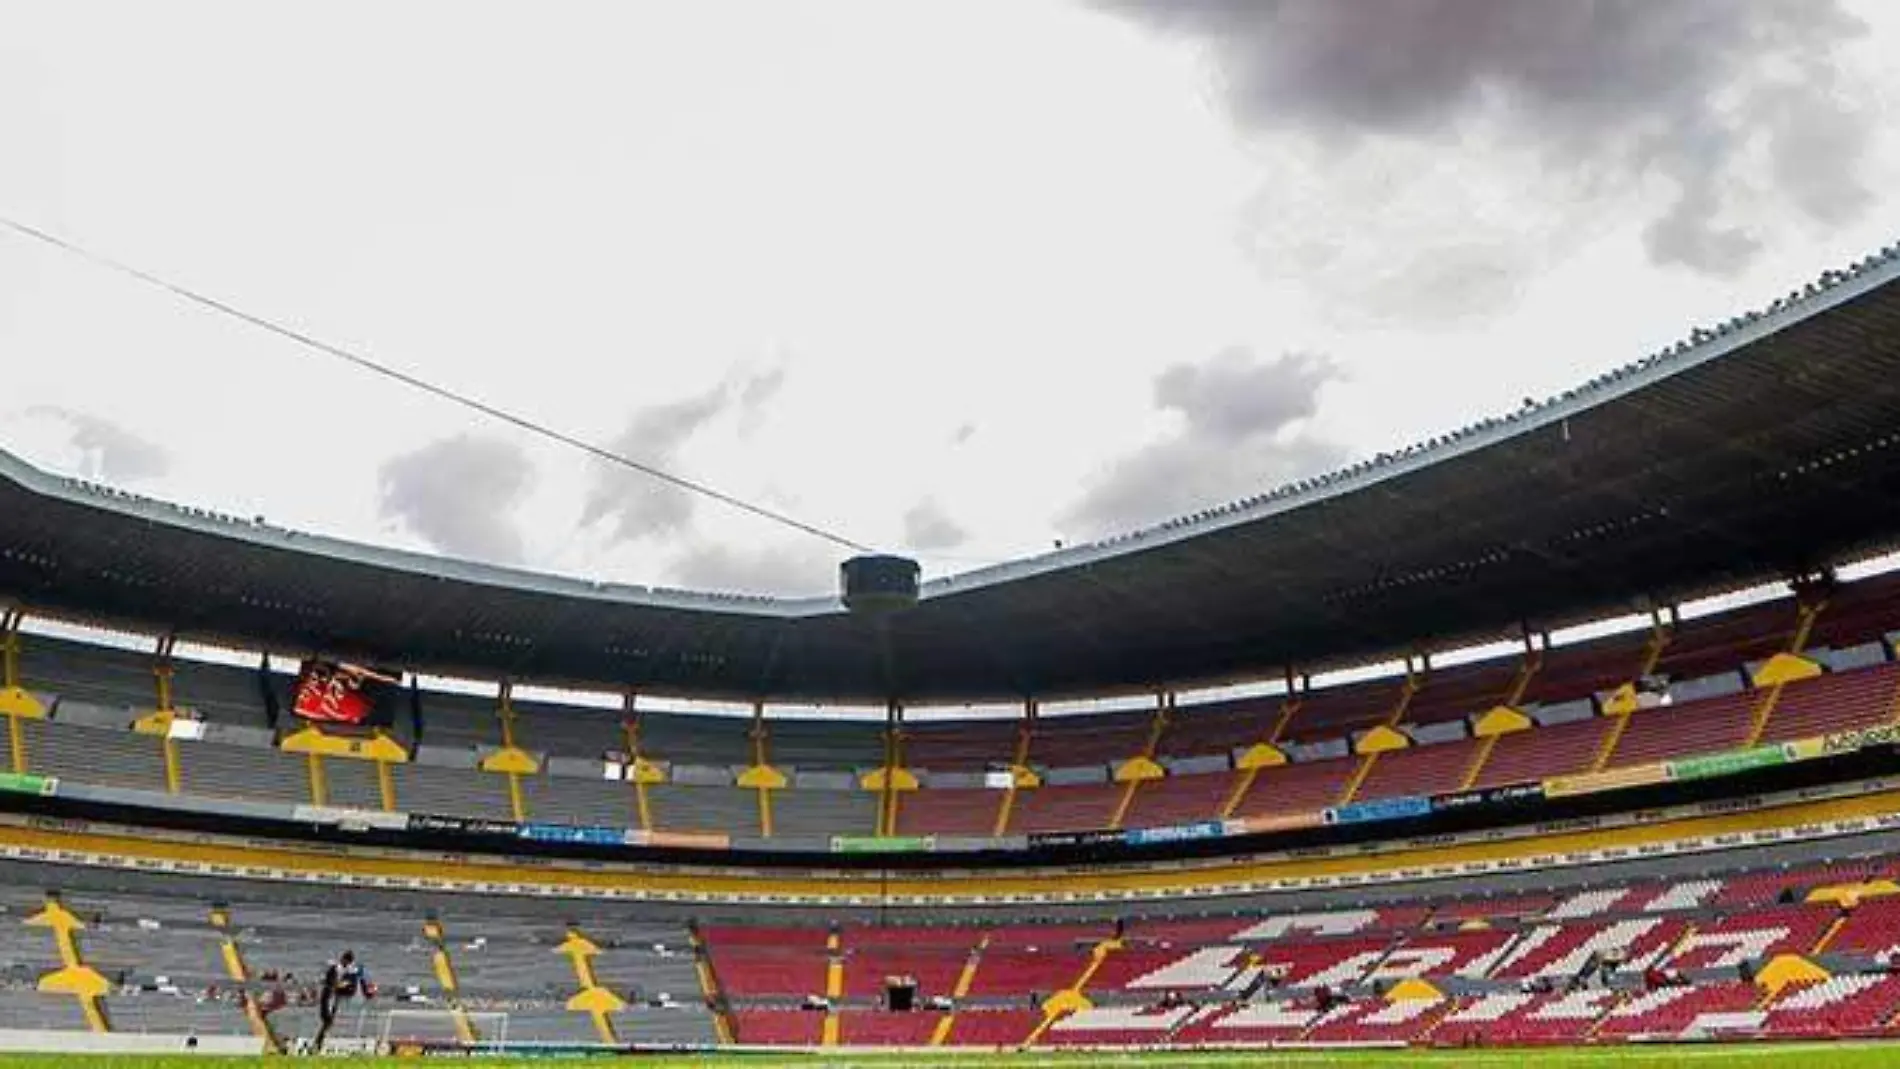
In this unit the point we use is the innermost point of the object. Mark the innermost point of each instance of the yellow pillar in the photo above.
(15, 703)
(319, 790)
(1074, 998)
(834, 989)
(1413, 682)
(240, 973)
(637, 769)
(1262, 754)
(1018, 769)
(444, 967)
(597, 1002)
(164, 714)
(709, 987)
(965, 980)
(1533, 660)
(1142, 768)
(74, 977)
(1782, 669)
(762, 777)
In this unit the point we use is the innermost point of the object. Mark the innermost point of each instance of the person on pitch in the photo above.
(342, 978)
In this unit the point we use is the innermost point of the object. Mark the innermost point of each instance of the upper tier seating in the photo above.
(1702, 726)
(1179, 800)
(1064, 807)
(949, 811)
(1219, 727)
(961, 745)
(1420, 770)
(1336, 712)
(1539, 753)
(1465, 690)
(1292, 788)
(96, 691)
(1843, 701)
(1076, 741)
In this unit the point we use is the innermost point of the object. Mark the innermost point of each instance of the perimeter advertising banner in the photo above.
(331, 693)
(1591, 782)
(574, 833)
(1866, 738)
(1178, 833)
(882, 844)
(1505, 795)
(1727, 762)
(436, 822)
(1277, 822)
(683, 840)
(1382, 809)
(1074, 838)
(27, 783)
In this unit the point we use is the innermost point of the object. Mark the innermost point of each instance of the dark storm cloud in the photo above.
(927, 526)
(118, 455)
(640, 506)
(769, 571)
(1608, 90)
(1237, 437)
(459, 494)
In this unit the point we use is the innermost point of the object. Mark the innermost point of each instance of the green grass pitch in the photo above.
(1750, 1056)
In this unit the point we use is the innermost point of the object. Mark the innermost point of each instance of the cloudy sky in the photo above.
(958, 279)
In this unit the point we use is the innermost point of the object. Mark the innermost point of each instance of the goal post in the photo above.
(438, 1027)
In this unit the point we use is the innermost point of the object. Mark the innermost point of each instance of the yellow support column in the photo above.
(965, 980)
(1263, 754)
(1379, 740)
(640, 771)
(1533, 660)
(386, 786)
(1019, 773)
(511, 760)
(158, 722)
(1386, 736)
(319, 788)
(1413, 683)
(834, 989)
(1074, 998)
(709, 987)
(1623, 705)
(1488, 729)
(74, 977)
(762, 777)
(1503, 718)
(16, 704)
(594, 1000)
(445, 976)
(1611, 739)
(240, 974)
(1142, 768)
(1782, 669)
(315, 746)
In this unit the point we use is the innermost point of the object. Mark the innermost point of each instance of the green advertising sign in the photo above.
(26, 783)
(1727, 762)
(881, 844)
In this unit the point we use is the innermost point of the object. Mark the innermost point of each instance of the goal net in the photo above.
(437, 1027)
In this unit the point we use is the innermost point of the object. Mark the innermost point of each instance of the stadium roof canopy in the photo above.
(1767, 447)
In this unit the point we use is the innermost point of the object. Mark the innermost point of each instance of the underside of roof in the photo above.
(1771, 451)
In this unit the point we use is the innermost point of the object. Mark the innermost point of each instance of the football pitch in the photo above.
(1766, 1056)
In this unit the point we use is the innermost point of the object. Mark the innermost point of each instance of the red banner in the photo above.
(340, 693)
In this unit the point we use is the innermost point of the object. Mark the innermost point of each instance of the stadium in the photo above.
(428, 630)
(1681, 832)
